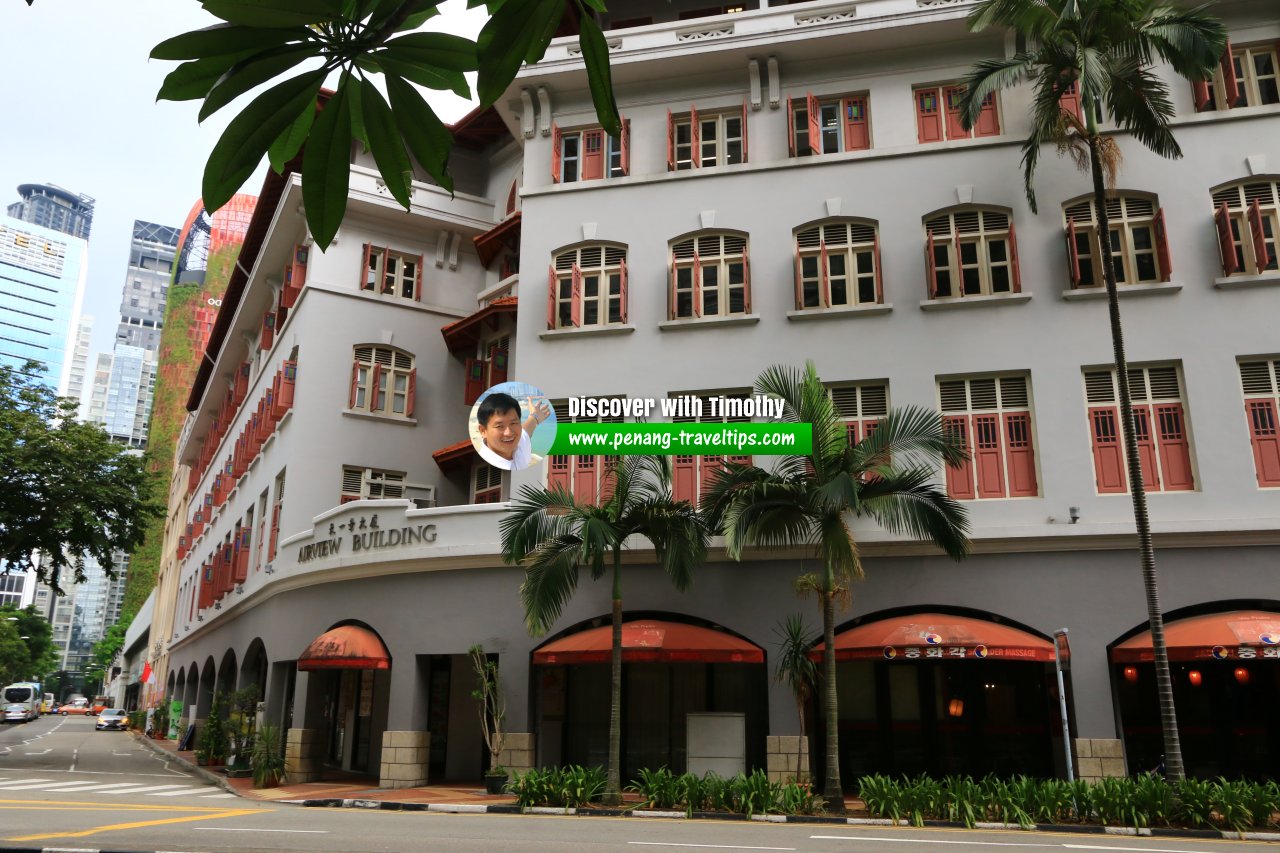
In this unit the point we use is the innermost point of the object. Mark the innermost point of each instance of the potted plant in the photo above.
(242, 720)
(202, 758)
(492, 707)
(159, 722)
(213, 738)
(267, 757)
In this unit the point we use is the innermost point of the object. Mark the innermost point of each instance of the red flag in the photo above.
(147, 675)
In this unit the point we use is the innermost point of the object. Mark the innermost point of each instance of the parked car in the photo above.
(16, 712)
(112, 718)
(74, 708)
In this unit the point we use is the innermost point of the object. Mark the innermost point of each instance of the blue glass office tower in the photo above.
(42, 277)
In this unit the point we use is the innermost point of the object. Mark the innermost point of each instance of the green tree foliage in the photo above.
(41, 658)
(13, 655)
(66, 492)
(105, 650)
(1106, 48)
(359, 41)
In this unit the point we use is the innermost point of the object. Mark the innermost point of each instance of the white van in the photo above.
(21, 702)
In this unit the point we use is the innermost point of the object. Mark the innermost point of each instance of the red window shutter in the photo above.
(746, 280)
(928, 115)
(875, 249)
(791, 129)
(931, 267)
(411, 393)
(1258, 235)
(497, 365)
(608, 477)
(585, 473)
(557, 151)
(475, 382)
(622, 291)
(851, 433)
(1020, 455)
(671, 290)
(1162, 246)
(1226, 243)
(960, 477)
(988, 123)
(856, 135)
(558, 473)
(815, 123)
(671, 143)
(1175, 450)
(684, 479)
(575, 296)
(744, 130)
(1073, 254)
(1265, 436)
(1015, 270)
(1069, 101)
(1229, 79)
(951, 98)
(275, 532)
(697, 285)
(624, 145)
(824, 272)
(417, 280)
(707, 469)
(799, 281)
(592, 155)
(377, 399)
(987, 456)
(363, 281)
(1200, 91)
(695, 138)
(288, 383)
(355, 385)
(268, 331)
(551, 297)
(1146, 448)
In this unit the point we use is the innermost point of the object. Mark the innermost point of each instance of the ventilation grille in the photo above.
(589, 256)
(1240, 196)
(969, 221)
(1145, 384)
(861, 401)
(1260, 377)
(351, 480)
(986, 394)
(1163, 383)
(683, 251)
(614, 256)
(384, 356)
(954, 394)
(566, 260)
(836, 234)
(1013, 392)
(386, 484)
(939, 227)
(487, 477)
(1081, 213)
(1099, 387)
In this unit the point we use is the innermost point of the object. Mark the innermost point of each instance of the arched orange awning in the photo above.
(1233, 635)
(940, 636)
(345, 647)
(651, 641)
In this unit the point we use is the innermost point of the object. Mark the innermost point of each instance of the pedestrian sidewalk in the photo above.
(350, 788)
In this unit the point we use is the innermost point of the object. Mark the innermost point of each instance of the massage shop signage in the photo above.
(356, 536)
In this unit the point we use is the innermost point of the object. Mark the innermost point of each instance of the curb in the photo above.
(213, 778)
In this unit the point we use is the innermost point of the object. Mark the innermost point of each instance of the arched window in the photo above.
(971, 251)
(1139, 245)
(383, 381)
(710, 276)
(587, 286)
(1247, 216)
(838, 264)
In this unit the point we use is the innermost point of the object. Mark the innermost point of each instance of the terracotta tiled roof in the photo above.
(461, 334)
(455, 455)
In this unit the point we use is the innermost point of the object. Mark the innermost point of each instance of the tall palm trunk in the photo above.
(613, 781)
(832, 791)
(1137, 489)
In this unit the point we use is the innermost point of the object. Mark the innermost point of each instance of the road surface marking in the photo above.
(177, 793)
(150, 788)
(215, 796)
(136, 825)
(705, 846)
(48, 786)
(940, 841)
(1142, 849)
(121, 806)
(75, 753)
(5, 785)
(326, 832)
(50, 749)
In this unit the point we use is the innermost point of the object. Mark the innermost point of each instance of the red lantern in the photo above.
(956, 707)
(1131, 674)
(1195, 677)
(1242, 675)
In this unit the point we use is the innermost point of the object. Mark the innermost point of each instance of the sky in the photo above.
(79, 111)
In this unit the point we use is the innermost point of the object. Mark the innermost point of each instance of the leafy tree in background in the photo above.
(41, 659)
(360, 41)
(66, 491)
(105, 650)
(1106, 49)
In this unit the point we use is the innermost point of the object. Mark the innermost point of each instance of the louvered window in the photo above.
(588, 154)
(392, 273)
(1139, 244)
(1260, 383)
(971, 251)
(371, 484)
(829, 124)
(383, 381)
(588, 287)
(486, 484)
(692, 477)
(1247, 218)
(991, 418)
(837, 264)
(701, 139)
(861, 407)
(588, 478)
(1249, 76)
(1159, 420)
(710, 276)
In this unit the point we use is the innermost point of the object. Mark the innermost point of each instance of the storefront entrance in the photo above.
(351, 669)
(348, 718)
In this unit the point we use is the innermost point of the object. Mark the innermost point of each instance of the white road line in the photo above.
(717, 847)
(75, 753)
(940, 841)
(326, 832)
(47, 786)
(12, 782)
(45, 752)
(177, 793)
(1142, 849)
(148, 789)
(114, 773)
(214, 796)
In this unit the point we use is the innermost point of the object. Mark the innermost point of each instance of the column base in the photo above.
(787, 758)
(1099, 758)
(300, 764)
(405, 756)
(518, 752)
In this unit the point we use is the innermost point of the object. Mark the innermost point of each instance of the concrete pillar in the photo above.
(787, 758)
(405, 756)
(301, 762)
(1099, 758)
(518, 753)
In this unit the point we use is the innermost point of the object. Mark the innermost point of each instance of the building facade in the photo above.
(151, 254)
(50, 206)
(790, 183)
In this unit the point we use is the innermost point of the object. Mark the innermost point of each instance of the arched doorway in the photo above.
(204, 697)
(351, 667)
(942, 691)
(1224, 658)
(254, 669)
(680, 675)
(227, 674)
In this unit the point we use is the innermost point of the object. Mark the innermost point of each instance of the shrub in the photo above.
(1264, 803)
(1195, 802)
(266, 757)
(755, 794)
(660, 788)
(570, 786)
(883, 796)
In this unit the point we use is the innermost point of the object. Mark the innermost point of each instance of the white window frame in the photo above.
(714, 139)
(1249, 82)
(980, 227)
(600, 268)
(726, 260)
(487, 480)
(859, 405)
(385, 274)
(1130, 216)
(612, 155)
(1101, 389)
(829, 107)
(1238, 196)
(850, 246)
(1006, 399)
(394, 380)
(374, 484)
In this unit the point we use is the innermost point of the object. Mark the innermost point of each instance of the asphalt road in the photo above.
(64, 785)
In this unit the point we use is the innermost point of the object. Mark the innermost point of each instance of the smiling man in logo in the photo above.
(504, 440)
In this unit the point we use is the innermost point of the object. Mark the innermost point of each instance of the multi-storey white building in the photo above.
(791, 183)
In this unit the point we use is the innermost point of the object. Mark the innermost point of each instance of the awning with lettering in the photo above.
(651, 641)
(1233, 635)
(941, 636)
(345, 647)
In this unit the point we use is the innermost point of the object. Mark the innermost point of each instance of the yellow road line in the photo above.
(135, 825)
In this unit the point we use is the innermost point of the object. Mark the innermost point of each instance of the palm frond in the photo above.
(679, 535)
(1019, 15)
(1189, 40)
(838, 550)
(1139, 102)
(910, 502)
(989, 76)
(535, 515)
(550, 579)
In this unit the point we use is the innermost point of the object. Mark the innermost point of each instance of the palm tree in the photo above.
(1103, 48)
(794, 666)
(551, 535)
(807, 501)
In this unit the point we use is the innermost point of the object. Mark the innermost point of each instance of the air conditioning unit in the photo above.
(423, 497)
